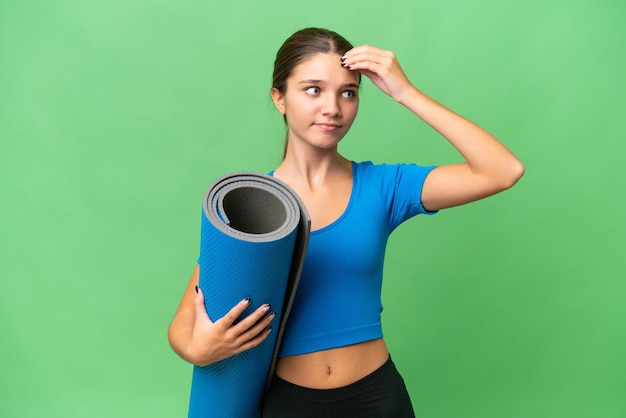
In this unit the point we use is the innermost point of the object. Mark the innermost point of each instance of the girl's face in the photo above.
(320, 101)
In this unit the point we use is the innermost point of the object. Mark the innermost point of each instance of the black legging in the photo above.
(381, 394)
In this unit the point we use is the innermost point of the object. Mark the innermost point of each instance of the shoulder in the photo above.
(398, 186)
(391, 172)
(370, 169)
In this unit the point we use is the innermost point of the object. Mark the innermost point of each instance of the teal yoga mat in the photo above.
(254, 235)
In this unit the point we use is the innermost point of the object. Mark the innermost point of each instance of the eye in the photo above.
(349, 94)
(313, 91)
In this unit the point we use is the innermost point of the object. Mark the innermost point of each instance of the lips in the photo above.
(328, 126)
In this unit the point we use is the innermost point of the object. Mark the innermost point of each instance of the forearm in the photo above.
(484, 154)
(179, 334)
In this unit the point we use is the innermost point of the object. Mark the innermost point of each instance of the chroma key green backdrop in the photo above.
(116, 115)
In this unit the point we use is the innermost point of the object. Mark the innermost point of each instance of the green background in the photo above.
(115, 116)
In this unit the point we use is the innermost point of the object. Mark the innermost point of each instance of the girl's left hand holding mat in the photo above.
(201, 341)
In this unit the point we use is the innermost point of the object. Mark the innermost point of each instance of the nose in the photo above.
(331, 106)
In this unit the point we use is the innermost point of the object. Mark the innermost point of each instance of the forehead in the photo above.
(324, 67)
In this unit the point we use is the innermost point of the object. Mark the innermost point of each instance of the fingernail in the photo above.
(196, 288)
(267, 306)
(247, 300)
(271, 315)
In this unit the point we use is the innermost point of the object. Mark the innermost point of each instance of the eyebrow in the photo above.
(312, 81)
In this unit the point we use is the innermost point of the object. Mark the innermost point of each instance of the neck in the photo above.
(312, 167)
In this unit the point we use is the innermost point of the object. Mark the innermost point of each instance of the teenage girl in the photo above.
(333, 360)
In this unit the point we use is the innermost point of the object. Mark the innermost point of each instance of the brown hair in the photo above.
(300, 46)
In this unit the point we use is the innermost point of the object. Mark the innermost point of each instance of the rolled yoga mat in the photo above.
(254, 235)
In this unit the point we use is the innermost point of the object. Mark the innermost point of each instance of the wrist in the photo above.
(196, 355)
(408, 95)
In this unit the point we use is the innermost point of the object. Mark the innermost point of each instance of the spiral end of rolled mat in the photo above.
(254, 235)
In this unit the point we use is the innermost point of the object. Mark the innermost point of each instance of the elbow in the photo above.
(512, 174)
(173, 341)
(170, 336)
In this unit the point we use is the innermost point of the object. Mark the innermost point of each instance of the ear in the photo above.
(279, 100)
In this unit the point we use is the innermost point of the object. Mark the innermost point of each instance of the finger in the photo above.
(351, 61)
(229, 319)
(367, 67)
(201, 312)
(250, 320)
(258, 339)
(364, 48)
(367, 52)
(256, 329)
(386, 60)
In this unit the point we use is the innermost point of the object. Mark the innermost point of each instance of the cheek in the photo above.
(352, 109)
(297, 108)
